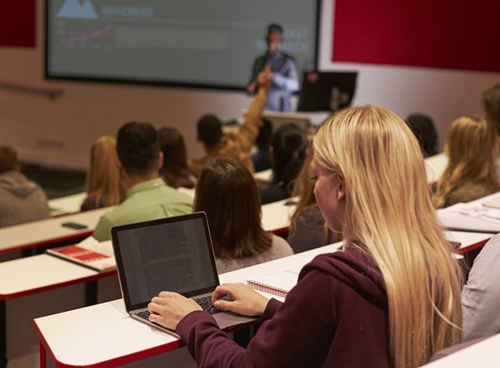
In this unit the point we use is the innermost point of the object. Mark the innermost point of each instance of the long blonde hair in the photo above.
(472, 148)
(103, 181)
(389, 211)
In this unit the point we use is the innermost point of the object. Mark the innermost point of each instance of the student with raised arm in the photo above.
(390, 298)
(236, 146)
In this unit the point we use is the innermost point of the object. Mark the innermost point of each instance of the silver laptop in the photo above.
(171, 254)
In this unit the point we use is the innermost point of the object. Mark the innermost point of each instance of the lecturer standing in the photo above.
(283, 69)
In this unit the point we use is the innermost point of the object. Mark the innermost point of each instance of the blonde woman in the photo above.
(104, 187)
(472, 148)
(391, 298)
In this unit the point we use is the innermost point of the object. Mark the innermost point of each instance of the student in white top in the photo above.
(481, 294)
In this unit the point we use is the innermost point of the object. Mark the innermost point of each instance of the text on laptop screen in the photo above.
(166, 257)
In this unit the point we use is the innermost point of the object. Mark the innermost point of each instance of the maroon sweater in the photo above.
(336, 316)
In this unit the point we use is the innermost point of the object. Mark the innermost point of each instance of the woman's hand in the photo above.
(167, 309)
(246, 301)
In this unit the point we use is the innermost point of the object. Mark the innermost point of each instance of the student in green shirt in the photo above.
(148, 197)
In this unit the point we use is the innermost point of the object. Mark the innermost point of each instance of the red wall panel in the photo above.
(440, 34)
(17, 23)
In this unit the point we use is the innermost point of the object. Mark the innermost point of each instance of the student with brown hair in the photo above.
(175, 170)
(21, 200)
(104, 187)
(491, 105)
(308, 229)
(472, 148)
(390, 298)
(227, 192)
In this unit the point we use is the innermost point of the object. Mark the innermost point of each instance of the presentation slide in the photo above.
(205, 43)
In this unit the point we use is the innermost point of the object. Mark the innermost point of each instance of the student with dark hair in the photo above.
(262, 159)
(21, 200)
(227, 192)
(425, 130)
(284, 73)
(148, 197)
(289, 147)
(236, 146)
(174, 170)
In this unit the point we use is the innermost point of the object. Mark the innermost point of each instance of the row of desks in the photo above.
(58, 273)
(51, 231)
(27, 276)
(94, 327)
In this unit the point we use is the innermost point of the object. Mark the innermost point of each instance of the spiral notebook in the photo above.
(277, 283)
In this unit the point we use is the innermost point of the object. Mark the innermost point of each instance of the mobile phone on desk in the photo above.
(74, 225)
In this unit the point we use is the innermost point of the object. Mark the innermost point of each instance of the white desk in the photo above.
(27, 276)
(264, 176)
(49, 231)
(189, 192)
(134, 340)
(276, 216)
(484, 354)
(81, 337)
(454, 218)
(66, 205)
(469, 241)
(435, 166)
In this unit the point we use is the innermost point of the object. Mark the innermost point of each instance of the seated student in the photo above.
(21, 200)
(262, 159)
(390, 298)
(227, 192)
(236, 146)
(148, 197)
(104, 187)
(425, 130)
(481, 294)
(174, 170)
(491, 105)
(289, 147)
(308, 229)
(472, 148)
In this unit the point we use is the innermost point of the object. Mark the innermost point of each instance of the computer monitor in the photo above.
(278, 119)
(326, 91)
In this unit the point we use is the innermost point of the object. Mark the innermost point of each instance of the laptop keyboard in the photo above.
(205, 303)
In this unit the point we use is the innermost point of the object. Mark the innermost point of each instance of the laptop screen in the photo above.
(172, 254)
